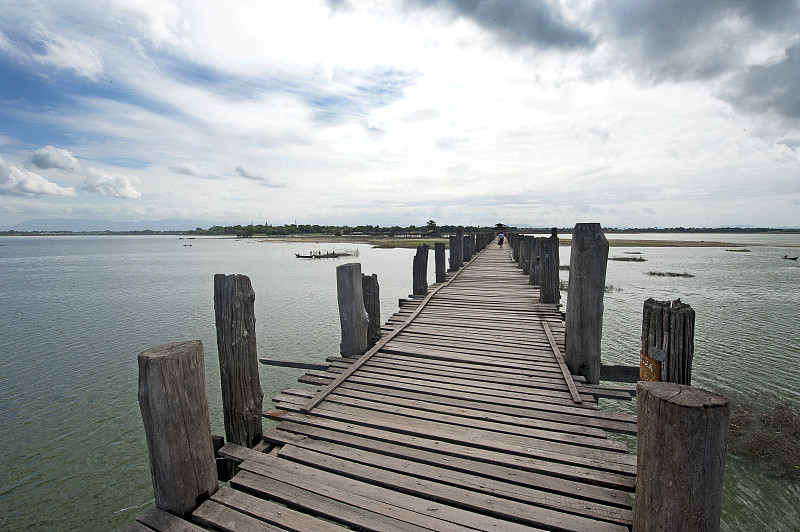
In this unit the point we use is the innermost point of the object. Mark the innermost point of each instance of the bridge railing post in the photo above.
(584, 322)
(682, 436)
(172, 399)
(352, 316)
(420, 271)
(372, 305)
(439, 253)
(667, 341)
(548, 285)
(242, 397)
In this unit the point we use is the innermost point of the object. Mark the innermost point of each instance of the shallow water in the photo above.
(75, 312)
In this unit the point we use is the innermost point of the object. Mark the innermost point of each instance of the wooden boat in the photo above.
(789, 258)
(326, 255)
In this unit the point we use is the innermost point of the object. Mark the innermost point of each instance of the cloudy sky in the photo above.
(623, 112)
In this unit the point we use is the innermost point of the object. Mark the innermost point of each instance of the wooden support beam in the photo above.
(172, 398)
(242, 396)
(683, 432)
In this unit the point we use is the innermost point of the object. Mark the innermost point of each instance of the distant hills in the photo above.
(85, 225)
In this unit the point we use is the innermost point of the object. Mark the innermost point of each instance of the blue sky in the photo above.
(627, 113)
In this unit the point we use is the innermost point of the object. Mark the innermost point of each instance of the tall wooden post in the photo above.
(459, 250)
(172, 398)
(453, 259)
(526, 252)
(667, 341)
(587, 280)
(535, 277)
(352, 316)
(682, 436)
(372, 305)
(242, 397)
(439, 253)
(420, 271)
(548, 286)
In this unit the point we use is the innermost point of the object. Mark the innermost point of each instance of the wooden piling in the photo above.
(459, 248)
(242, 397)
(420, 271)
(548, 285)
(372, 305)
(534, 274)
(172, 398)
(682, 436)
(584, 321)
(352, 316)
(526, 251)
(439, 253)
(667, 341)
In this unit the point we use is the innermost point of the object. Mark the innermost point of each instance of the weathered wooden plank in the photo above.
(214, 515)
(561, 365)
(163, 521)
(489, 504)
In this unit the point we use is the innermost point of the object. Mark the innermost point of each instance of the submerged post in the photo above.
(242, 397)
(667, 341)
(548, 285)
(439, 253)
(420, 271)
(372, 305)
(172, 398)
(682, 436)
(352, 316)
(587, 280)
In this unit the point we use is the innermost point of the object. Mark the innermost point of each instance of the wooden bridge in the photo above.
(462, 417)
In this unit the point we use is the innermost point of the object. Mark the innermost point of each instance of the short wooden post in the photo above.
(372, 305)
(667, 341)
(587, 280)
(352, 316)
(420, 271)
(535, 277)
(439, 253)
(172, 398)
(548, 286)
(242, 397)
(682, 435)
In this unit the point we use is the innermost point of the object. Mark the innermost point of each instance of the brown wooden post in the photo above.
(352, 316)
(172, 398)
(459, 248)
(548, 286)
(420, 271)
(372, 305)
(526, 252)
(439, 253)
(242, 397)
(587, 280)
(682, 435)
(535, 277)
(667, 341)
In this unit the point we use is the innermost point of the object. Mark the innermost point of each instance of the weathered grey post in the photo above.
(526, 252)
(242, 397)
(420, 271)
(682, 435)
(535, 277)
(453, 259)
(459, 249)
(548, 285)
(667, 341)
(439, 252)
(172, 398)
(372, 304)
(587, 280)
(352, 316)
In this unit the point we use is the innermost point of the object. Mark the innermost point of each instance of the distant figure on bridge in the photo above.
(500, 238)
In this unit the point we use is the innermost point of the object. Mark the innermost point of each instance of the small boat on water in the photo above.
(789, 258)
(326, 255)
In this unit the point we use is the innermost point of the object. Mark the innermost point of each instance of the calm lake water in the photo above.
(75, 312)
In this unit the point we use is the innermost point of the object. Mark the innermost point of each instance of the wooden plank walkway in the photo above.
(461, 418)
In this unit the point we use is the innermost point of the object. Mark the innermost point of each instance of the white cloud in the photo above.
(64, 53)
(118, 186)
(259, 178)
(17, 182)
(48, 157)
(191, 169)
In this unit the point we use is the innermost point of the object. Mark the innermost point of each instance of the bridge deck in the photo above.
(462, 420)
